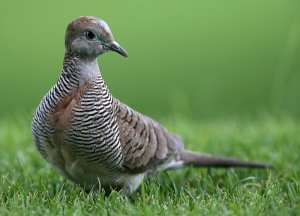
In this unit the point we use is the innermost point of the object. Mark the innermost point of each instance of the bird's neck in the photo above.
(81, 69)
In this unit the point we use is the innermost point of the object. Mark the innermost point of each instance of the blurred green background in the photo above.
(191, 58)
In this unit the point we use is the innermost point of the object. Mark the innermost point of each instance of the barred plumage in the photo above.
(92, 133)
(91, 137)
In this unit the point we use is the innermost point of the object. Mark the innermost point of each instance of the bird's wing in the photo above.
(145, 143)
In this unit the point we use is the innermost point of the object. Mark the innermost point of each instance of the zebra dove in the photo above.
(92, 138)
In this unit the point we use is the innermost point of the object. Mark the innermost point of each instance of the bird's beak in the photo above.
(114, 46)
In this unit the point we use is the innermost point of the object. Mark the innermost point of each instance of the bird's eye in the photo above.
(90, 35)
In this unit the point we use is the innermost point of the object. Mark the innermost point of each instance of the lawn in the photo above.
(28, 185)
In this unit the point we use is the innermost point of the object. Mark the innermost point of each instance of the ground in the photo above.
(28, 185)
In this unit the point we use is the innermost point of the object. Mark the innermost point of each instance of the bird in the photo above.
(93, 139)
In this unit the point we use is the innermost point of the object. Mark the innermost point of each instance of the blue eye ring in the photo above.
(90, 35)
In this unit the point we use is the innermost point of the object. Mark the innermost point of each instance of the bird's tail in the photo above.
(205, 160)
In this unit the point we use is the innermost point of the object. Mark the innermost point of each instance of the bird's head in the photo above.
(90, 37)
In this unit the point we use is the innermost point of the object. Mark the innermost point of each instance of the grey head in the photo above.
(89, 37)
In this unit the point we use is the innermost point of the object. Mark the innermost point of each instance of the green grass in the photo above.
(28, 185)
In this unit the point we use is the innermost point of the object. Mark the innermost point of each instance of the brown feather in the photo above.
(205, 160)
(63, 111)
(146, 144)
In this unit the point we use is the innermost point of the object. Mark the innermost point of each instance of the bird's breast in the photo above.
(64, 109)
(86, 138)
